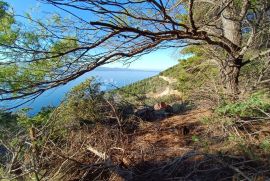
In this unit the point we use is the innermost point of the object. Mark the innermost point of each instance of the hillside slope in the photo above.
(156, 88)
(93, 135)
(174, 149)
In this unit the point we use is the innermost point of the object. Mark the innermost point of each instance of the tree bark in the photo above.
(230, 77)
(230, 69)
(231, 24)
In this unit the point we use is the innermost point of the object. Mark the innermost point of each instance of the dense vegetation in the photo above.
(206, 118)
(55, 135)
(141, 88)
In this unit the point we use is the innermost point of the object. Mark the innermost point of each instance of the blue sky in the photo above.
(158, 60)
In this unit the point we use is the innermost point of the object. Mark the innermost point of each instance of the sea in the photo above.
(110, 78)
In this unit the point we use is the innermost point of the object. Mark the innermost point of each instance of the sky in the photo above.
(158, 60)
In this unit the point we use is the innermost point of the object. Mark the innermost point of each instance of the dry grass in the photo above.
(182, 147)
(195, 145)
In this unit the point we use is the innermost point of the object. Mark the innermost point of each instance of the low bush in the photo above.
(85, 103)
(255, 105)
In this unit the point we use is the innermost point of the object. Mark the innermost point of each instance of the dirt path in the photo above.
(168, 90)
(168, 138)
(168, 79)
(166, 150)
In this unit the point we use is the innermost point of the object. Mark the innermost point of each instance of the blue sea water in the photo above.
(110, 79)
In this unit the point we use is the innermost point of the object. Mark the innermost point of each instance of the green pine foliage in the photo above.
(84, 103)
(255, 105)
(193, 72)
(7, 33)
(137, 92)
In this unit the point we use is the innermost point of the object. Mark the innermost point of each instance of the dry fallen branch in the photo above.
(97, 153)
(237, 170)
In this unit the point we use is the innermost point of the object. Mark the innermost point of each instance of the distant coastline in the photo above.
(124, 69)
(119, 77)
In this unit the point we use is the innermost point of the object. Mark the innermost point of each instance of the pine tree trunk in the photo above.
(231, 67)
(230, 78)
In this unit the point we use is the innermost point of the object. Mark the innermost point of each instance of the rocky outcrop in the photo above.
(159, 111)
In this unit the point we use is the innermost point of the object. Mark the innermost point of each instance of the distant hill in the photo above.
(157, 88)
(123, 69)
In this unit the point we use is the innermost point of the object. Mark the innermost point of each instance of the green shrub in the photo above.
(257, 104)
(8, 121)
(195, 138)
(40, 119)
(265, 145)
(85, 103)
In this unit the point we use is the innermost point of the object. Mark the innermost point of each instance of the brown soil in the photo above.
(165, 150)
(167, 138)
(160, 150)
